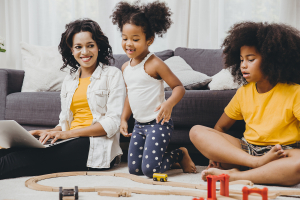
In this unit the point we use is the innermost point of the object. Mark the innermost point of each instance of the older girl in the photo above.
(266, 58)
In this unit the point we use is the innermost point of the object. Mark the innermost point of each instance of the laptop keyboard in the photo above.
(49, 141)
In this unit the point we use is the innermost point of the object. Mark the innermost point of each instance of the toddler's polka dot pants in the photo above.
(147, 149)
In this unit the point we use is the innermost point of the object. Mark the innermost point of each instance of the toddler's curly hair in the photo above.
(154, 18)
(278, 44)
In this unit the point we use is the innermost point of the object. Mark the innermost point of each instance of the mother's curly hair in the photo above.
(105, 55)
(278, 44)
(154, 17)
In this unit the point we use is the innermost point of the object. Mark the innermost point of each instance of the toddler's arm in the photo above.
(178, 91)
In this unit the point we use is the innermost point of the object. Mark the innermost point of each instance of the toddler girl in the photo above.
(266, 58)
(144, 75)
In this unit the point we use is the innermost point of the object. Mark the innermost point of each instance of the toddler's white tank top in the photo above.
(145, 93)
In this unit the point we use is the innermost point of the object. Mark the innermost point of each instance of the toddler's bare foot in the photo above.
(186, 163)
(215, 171)
(176, 166)
(275, 153)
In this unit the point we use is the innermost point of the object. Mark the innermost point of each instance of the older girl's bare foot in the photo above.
(186, 163)
(214, 164)
(275, 153)
(215, 171)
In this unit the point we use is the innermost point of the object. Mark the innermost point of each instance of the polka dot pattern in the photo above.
(147, 149)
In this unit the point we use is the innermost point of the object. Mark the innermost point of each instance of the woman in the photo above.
(92, 99)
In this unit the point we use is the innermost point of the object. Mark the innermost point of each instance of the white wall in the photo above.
(197, 23)
(2, 32)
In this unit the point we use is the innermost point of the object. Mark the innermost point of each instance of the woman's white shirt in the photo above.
(105, 96)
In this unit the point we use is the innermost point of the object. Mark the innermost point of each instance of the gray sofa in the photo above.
(40, 110)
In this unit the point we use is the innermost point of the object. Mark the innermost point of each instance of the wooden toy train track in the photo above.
(126, 191)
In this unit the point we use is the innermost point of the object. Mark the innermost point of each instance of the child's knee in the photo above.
(196, 131)
(148, 171)
(134, 170)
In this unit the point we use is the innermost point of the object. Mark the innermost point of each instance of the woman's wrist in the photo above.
(57, 128)
(69, 134)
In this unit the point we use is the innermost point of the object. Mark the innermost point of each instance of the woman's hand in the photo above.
(38, 132)
(55, 135)
(164, 113)
(124, 129)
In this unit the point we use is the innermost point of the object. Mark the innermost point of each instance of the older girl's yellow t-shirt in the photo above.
(272, 117)
(82, 115)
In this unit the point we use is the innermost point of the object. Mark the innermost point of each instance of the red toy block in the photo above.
(211, 185)
(263, 192)
(200, 198)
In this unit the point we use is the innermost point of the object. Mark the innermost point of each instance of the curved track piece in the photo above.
(124, 191)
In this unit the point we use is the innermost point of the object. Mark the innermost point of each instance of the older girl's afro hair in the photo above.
(278, 44)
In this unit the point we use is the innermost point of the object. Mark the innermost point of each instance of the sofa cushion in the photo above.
(203, 107)
(223, 80)
(207, 61)
(34, 108)
(181, 133)
(42, 68)
(120, 59)
(190, 79)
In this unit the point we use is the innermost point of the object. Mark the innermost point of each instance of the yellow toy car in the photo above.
(160, 177)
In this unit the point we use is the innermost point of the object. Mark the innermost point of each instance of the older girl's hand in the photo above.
(164, 113)
(55, 135)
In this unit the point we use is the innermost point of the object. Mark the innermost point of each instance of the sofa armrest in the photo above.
(11, 81)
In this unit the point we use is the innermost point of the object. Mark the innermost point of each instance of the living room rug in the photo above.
(15, 189)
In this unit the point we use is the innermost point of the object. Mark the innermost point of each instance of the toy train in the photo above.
(68, 193)
(160, 177)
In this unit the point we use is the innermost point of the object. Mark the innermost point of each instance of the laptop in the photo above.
(13, 134)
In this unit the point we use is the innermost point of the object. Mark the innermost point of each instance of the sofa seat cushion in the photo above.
(203, 107)
(35, 108)
(181, 135)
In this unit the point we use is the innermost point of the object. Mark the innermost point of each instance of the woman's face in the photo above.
(85, 49)
(250, 64)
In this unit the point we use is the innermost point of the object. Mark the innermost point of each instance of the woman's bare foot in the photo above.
(186, 163)
(275, 153)
(215, 171)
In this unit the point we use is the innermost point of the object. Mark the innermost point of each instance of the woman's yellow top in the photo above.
(82, 115)
(272, 117)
